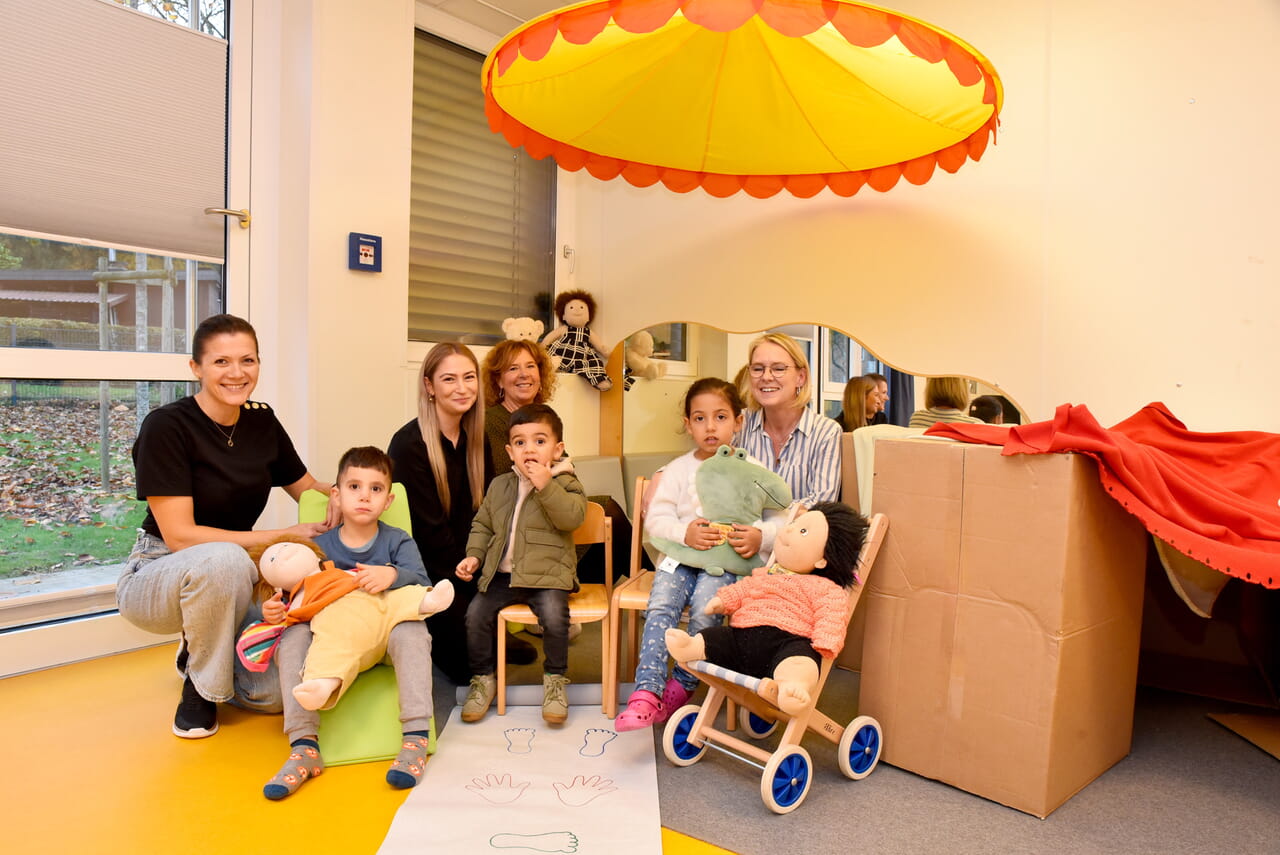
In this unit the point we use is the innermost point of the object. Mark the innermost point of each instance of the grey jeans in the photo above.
(204, 592)
(408, 651)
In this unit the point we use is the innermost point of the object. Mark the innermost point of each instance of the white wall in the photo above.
(1116, 237)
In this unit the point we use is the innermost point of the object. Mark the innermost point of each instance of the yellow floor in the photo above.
(88, 764)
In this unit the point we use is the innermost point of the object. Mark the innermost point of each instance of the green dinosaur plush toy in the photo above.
(731, 489)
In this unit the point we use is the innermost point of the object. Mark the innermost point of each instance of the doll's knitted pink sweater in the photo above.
(809, 606)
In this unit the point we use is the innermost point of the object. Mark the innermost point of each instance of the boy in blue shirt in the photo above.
(382, 558)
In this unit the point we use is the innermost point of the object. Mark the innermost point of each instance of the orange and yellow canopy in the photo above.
(754, 95)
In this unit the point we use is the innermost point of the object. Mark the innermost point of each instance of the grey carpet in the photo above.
(1188, 786)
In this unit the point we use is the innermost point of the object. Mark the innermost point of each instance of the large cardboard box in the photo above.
(1003, 621)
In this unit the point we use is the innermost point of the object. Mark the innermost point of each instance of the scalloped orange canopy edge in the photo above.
(742, 95)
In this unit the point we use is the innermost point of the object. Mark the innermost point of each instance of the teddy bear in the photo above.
(522, 329)
(572, 346)
(349, 626)
(784, 619)
(729, 489)
(639, 359)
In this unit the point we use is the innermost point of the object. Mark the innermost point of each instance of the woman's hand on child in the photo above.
(745, 539)
(332, 512)
(274, 609)
(467, 568)
(375, 578)
(702, 535)
(715, 606)
(307, 530)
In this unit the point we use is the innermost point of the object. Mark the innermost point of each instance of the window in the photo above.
(63, 295)
(483, 214)
(206, 16)
(123, 148)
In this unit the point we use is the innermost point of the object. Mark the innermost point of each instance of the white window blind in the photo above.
(114, 128)
(483, 213)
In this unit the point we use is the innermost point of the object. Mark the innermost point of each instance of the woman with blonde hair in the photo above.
(441, 459)
(946, 399)
(780, 430)
(861, 402)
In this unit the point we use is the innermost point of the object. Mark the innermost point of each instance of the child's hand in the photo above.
(467, 568)
(702, 535)
(537, 473)
(715, 606)
(375, 578)
(274, 609)
(745, 539)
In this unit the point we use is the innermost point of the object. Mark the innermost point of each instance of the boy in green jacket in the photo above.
(522, 544)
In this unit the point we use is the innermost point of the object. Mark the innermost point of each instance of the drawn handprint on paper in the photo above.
(497, 790)
(581, 790)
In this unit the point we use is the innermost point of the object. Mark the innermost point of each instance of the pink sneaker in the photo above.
(643, 710)
(674, 696)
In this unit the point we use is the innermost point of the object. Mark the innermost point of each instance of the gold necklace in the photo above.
(228, 436)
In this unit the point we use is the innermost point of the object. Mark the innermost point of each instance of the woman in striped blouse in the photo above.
(780, 430)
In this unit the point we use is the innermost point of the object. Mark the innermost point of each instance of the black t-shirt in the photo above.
(182, 452)
(441, 538)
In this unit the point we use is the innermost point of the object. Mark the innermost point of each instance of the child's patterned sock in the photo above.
(303, 764)
(406, 770)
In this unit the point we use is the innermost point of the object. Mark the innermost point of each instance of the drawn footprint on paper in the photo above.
(552, 841)
(497, 791)
(582, 790)
(520, 739)
(594, 741)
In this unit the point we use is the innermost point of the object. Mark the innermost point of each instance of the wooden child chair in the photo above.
(588, 604)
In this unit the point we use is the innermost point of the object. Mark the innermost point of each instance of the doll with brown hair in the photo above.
(784, 621)
(572, 345)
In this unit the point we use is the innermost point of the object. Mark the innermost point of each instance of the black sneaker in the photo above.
(180, 661)
(196, 717)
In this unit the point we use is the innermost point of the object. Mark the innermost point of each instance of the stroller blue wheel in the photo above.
(755, 726)
(860, 746)
(786, 779)
(675, 737)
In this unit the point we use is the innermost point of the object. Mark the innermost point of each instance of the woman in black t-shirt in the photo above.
(205, 466)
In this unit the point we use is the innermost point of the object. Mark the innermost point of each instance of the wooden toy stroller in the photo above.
(787, 770)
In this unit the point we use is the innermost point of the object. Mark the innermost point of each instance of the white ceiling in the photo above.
(495, 16)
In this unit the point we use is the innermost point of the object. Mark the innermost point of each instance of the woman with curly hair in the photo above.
(515, 373)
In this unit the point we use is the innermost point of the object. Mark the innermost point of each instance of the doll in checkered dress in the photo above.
(571, 344)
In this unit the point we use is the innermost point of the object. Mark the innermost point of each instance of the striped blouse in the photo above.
(810, 459)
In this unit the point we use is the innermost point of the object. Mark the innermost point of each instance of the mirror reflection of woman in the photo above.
(861, 403)
(781, 430)
(946, 399)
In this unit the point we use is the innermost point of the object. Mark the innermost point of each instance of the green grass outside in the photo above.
(26, 549)
(57, 514)
(119, 391)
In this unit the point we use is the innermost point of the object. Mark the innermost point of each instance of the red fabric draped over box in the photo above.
(1214, 497)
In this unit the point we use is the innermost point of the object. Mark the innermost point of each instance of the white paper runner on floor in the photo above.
(514, 785)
